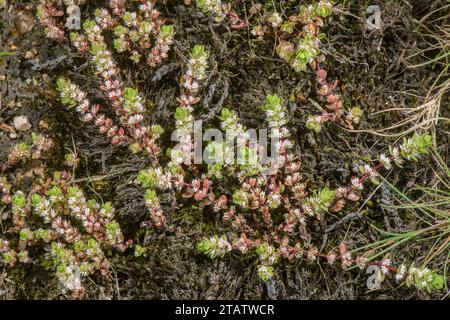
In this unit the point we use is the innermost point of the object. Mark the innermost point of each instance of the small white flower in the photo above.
(395, 153)
(275, 20)
(356, 184)
(385, 161)
(135, 119)
(385, 263)
(401, 271)
(370, 171)
(309, 210)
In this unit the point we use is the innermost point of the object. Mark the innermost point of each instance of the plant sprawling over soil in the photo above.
(105, 106)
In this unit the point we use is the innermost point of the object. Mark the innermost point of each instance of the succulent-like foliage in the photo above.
(214, 246)
(268, 207)
(48, 14)
(139, 30)
(214, 8)
(300, 52)
(75, 231)
(25, 151)
(126, 102)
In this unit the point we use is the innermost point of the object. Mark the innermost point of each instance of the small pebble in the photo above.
(21, 123)
(29, 55)
(43, 124)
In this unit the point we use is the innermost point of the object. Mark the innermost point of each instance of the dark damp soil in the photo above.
(374, 74)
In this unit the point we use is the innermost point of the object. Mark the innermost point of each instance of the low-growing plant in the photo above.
(138, 30)
(432, 209)
(48, 15)
(299, 44)
(173, 175)
(24, 151)
(126, 102)
(142, 33)
(335, 110)
(268, 208)
(268, 214)
(57, 227)
(219, 11)
(301, 48)
(259, 201)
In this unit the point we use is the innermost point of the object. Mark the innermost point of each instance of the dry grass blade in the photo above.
(434, 30)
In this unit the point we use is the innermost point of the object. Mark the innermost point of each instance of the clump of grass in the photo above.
(432, 211)
(433, 29)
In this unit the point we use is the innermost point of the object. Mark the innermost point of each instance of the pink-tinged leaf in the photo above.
(322, 74)
(108, 122)
(206, 184)
(350, 126)
(88, 117)
(58, 13)
(342, 248)
(353, 197)
(115, 140)
(200, 196)
(256, 243)
(95, 109)
(240, 25)
(331, 98)
(223, 199)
